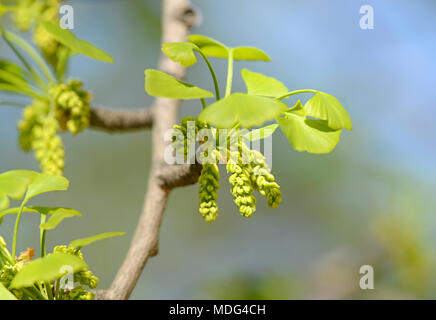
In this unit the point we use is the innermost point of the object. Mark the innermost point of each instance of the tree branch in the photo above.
(179, 175)
(177, 19)
(120, 120)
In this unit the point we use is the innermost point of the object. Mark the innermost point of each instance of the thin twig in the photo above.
(120, 120)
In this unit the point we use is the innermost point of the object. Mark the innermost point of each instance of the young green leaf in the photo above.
(242, 108)
(57, 216)
(13, 211)
(40, 210)
(20, 91)
(313, 136)
(14, 80)
(45, 183)
(12, 68)
(250, 54)
(182, 52)
(326, 107)
(209, 46)
(14, 183)
(49, 268)
(68, 39)
(261, 133)
(216, 49)
(261, 85)
(5, 294)
(14, 40)
(79, 243)
(161, 84)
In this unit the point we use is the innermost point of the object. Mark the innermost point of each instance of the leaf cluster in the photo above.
(314, 127)
(23, 277)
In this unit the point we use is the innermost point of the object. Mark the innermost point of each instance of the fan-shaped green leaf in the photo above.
(46, 183)
(48, 268)
(216, 49)
(259, 84)
(313, 136)
(13, 211)
(241, 108)
(161, 84)
(40, 210)
(14, 183)
(57, 216)
(182, 52)
(5, 294)
(68, 39)
(79, 243)
(209, 46)
(261, 133)
(250, 54)
(325, 106)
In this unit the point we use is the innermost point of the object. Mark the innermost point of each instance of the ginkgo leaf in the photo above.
(45, 183)
(313, 136)
(5, 294)
(209, 46)
(325, 106)
(57, 216)
(182, 52)
(241, 108)
(48, 268)
(161, 84)
(216, 49)
(259, 84)
(79, 243)
(40, 210)
(250, 54)
(14, 183)
(261, 133)
(12, 211)
(68, 39)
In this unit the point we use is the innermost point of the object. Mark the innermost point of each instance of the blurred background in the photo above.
(370, 202)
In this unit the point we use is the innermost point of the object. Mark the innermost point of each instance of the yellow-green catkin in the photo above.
(242, 186)
(43, 39)
(78, 293)
(209, 184)
(185, 137)
(84, 277)
(48, 147)
(33, 115)
(264, 180)
(72, 105)
(26, 12)
(38, 132)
